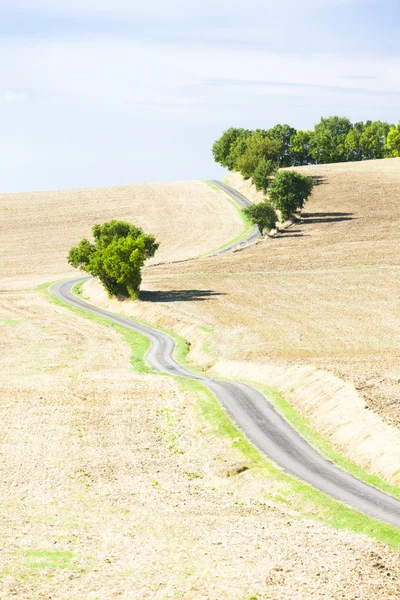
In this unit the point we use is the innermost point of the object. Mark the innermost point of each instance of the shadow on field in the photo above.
(286, 233)
(326, 217)
(178, 295)
(318, 180)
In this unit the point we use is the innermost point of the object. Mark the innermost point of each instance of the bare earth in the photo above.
(113, 484)
(323, 294)
(326, 291)
(38, 229)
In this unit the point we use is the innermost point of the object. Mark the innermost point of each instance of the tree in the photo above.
(238, 148)
(328, 143)
(353, 142)
(283, 134)
(262, 215)
(393, 140)
(289, 191)
(300, 148)
(116, 257)
(262, 174)
(373, 139)
(258, 146)
(222, 148)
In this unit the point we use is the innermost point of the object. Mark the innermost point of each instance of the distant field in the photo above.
(38, 229)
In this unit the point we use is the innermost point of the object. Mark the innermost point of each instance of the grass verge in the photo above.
(139, 343)
(302, 426)
(248, 226)
(305, 500)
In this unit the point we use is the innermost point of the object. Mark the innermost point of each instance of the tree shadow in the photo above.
(326, 217)
(287, 233)
(318, 180)
(178, 295)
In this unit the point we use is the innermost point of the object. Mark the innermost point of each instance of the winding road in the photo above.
(258, 420)
(244, 202)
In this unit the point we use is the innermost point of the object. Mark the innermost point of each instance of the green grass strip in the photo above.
(299, 496)
(302, 426)
(139, 344)
(248, 226)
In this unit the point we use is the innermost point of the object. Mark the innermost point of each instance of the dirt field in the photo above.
(113, 484)
(112, 487)
(45, 225)
(323, 293)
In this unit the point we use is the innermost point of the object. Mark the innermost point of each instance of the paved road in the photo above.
(262, 425)
(244, 202)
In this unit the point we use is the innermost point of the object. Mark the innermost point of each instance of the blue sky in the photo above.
(108, 92)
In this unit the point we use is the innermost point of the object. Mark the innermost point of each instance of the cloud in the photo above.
(10, 97)
(102, 109)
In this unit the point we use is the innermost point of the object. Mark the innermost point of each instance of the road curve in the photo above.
(244, 202)
(258, 420)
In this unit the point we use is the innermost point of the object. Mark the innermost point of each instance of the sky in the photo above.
(111, 92)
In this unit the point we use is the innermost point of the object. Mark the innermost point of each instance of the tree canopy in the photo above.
(289, 191)
(262, 215)
(393, 140)
(258, 147)
(333, 139)
(116, 256)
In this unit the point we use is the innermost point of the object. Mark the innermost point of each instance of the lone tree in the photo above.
(262, 215)
(116, 257)
(289, 191)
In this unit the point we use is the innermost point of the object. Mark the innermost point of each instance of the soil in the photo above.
(45, 225)
(325, 291)
(113, 484)
(112, 487)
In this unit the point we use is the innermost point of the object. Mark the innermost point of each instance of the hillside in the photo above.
(116, 482)
(324, 293)
(45, 225)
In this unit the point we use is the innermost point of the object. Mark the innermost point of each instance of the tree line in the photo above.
(260, 153)
(333, 139)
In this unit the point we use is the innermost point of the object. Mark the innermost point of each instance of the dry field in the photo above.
(38, 229)
(114, 485)
(325, 293)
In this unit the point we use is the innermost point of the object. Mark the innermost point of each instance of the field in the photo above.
(119, 483)
(45, 225)
(323, 294)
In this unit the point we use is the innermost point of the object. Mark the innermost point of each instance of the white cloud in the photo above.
(114, 71)
(102, 110)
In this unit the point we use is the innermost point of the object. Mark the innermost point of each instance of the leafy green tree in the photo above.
(300, 148)
(393, 140)
(262, 174)
(262, 215)
(373, 140)
(328, 143)
(223, 147)
(258, 146)
(289, 191)
(116, 257)
(283, 134)
(238, 148)
(353, 142)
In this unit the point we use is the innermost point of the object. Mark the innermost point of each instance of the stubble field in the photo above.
(115, 484)
(326, 291)
(38, 229)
